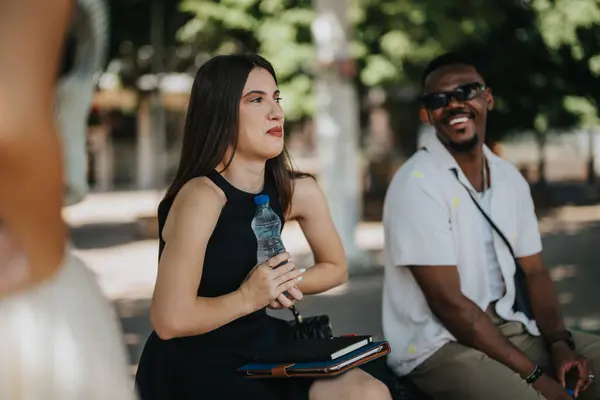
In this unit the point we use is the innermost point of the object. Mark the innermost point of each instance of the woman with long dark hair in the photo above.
(208, 309)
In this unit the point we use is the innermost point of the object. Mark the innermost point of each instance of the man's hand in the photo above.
(286, 302)
(550, 389)
(565, 360)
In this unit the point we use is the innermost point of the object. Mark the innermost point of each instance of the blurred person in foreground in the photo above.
(209, 305)
(58, 336)
(450, 288)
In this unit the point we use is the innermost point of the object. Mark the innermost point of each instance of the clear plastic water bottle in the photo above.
(267, 229)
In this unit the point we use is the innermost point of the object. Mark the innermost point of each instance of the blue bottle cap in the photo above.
(261, 199)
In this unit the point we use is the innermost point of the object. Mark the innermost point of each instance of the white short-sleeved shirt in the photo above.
(430, 219)
(494, 271)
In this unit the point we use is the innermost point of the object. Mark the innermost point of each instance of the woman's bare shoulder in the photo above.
(307, 193)
(199, 199)
(201, 188)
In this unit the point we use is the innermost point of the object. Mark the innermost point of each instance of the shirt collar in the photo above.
(444, 158)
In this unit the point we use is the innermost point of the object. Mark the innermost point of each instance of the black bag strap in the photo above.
(297, 315)
(487, 217)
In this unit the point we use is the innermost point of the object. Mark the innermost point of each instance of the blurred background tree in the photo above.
(277, 29)
(534, 54)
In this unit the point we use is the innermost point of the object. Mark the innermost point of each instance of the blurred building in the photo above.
(125, 150)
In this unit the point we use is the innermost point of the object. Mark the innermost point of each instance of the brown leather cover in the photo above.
(315, 374)
(280, 371)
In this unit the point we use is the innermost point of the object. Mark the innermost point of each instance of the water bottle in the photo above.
(267, 229)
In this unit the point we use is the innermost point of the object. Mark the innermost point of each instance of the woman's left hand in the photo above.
(286, 302)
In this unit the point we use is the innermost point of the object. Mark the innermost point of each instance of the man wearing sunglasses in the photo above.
(460, 227)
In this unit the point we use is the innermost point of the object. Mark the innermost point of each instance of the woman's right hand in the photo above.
(265, 283)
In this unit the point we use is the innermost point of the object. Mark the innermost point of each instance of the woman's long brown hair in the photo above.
(212, 124)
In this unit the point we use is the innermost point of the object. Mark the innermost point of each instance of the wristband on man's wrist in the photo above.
(535, 375)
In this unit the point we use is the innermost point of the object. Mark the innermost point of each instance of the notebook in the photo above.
(331, 368)
(308, 350)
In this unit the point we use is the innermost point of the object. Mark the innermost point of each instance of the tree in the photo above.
(130, 48)
(533, 53)
(395, 39)
(525, 57)
(572, 32)
(277, 29)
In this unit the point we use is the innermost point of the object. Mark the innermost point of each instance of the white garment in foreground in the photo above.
(61, 341)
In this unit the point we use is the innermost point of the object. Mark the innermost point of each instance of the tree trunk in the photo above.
(337, 124)
(541, 142)
(591, 171)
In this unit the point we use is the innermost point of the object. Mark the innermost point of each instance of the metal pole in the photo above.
(337, 124)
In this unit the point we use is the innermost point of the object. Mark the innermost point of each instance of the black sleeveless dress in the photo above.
(204, 366)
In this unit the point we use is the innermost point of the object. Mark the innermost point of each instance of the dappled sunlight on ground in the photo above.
(369, 237)
(570, 219)
(588, 323)
(565, 298)
(560, 272)
(113, 207)
(125, 271)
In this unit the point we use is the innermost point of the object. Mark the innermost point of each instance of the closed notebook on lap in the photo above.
(312, 349)
(362, 355)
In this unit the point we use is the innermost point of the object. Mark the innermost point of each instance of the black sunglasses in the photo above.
(469, 91)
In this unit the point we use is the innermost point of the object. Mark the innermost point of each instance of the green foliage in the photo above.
(403, 35)
(558, 21)
(279, 30)
(572, 31)
(387, 35)
(533, 53)
(131, 26)
(586, 110)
